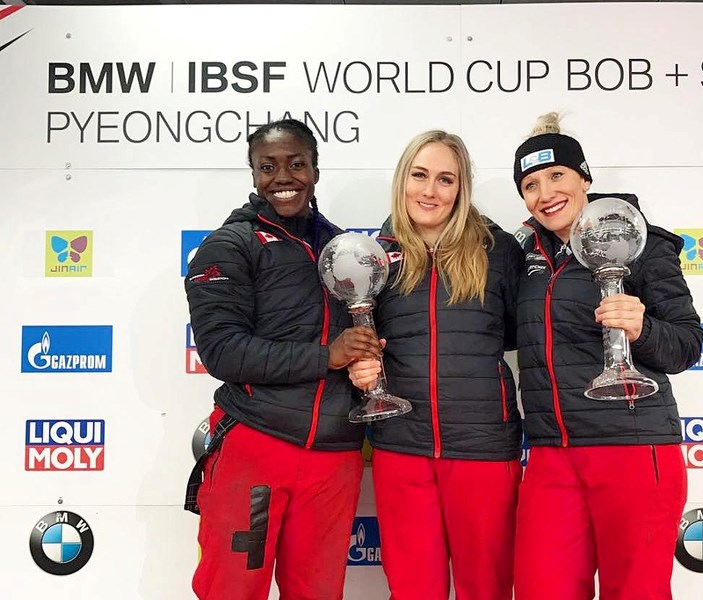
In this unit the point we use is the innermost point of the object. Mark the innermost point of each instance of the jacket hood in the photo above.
(250, 210)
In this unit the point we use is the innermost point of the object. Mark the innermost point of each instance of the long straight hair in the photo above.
(460, 253)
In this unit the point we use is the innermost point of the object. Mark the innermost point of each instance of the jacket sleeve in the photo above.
(221, 298)
(515, 261)
(671, 334)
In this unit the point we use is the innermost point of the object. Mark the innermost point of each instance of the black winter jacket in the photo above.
(262, 322)
(560, 346)
(447, 360)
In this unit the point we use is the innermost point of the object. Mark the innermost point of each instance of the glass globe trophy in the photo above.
(608, 235)
(354, 268)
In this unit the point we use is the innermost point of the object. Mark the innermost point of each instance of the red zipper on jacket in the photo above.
(549, 340)
(503, 393)
(323, 336)
(434, 392)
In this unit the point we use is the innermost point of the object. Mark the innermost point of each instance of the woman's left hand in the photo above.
(622, 311)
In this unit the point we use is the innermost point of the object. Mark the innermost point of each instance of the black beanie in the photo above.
(549, 150)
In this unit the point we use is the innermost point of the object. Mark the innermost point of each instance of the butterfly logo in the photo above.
(65, 249)
(692, 247)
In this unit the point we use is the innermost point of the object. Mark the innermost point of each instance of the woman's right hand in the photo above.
(364, 373)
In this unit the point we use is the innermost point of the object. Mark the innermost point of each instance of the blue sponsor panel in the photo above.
(190, 242)
(525, 447)
(365, 543)
(66, 348)
(370, 231)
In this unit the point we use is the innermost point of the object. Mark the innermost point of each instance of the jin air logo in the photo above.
(69, 254)
(692, 253)
(689, 545)
(61, 543)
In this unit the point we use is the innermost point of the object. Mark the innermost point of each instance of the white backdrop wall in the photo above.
(102, 181)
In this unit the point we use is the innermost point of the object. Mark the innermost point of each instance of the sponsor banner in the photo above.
(689, 545)
(692, 253)
(190, 242)
(64, 445)
(185, 99)
(193, 364)
(66, 348)
(69, 254)
(61, 543)
(692, 446)
(364, 543)
(201, 438)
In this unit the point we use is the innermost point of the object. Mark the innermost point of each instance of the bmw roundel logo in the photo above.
(201, 438)
(61, 543)
(689, 545)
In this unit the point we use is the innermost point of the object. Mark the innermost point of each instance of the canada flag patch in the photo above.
(394, 256)
(265, 238)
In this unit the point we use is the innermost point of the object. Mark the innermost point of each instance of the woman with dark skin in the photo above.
(281, 478)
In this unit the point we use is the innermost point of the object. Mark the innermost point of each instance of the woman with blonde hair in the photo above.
(605, 485)
(446, 474)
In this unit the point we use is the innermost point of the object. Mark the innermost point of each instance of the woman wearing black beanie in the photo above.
(605, 485)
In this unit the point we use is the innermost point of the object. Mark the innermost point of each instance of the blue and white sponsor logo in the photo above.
(190, 242)
(541, 157)
(365, 543)
(370, 231)
(689, 545)
(201, 438)
(66, 348)
(525, 447)
(61, 543)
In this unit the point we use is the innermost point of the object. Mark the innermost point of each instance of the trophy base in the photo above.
(380, 406)
(628, 384)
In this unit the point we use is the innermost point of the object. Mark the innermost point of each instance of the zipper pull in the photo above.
(631, 404)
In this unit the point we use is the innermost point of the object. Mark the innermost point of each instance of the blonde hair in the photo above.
(460, 251)
(548, 123)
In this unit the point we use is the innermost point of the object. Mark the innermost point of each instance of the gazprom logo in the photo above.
(66, 348)
(540, 157)
(365, 543)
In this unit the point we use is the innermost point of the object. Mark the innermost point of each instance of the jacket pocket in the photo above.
(655, 463)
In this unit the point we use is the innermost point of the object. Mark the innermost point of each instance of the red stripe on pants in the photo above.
(312, 505)
(615, 509)
(431, 510)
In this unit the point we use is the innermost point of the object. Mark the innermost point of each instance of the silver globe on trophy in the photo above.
(354, 268)
(608, 235)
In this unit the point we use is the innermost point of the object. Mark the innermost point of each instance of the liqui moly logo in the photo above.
(193, 364)
(692, 446)
(64, 445)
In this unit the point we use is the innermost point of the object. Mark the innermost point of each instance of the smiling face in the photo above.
(555, 196)
(431, 189)
(283, 172)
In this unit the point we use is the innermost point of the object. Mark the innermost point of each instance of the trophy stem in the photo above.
(378, 403)
(619, 379)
